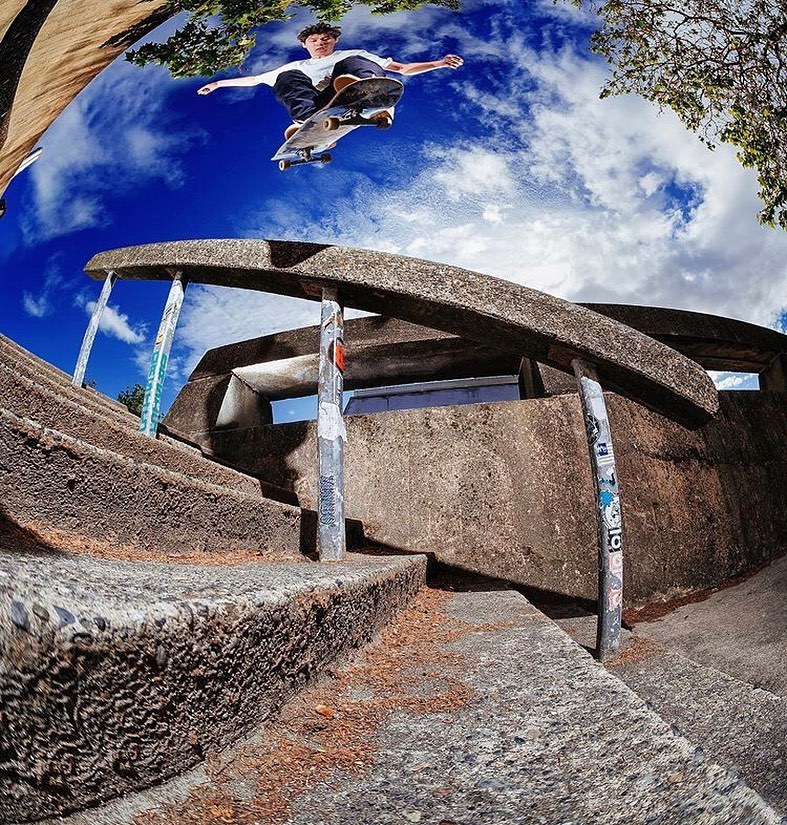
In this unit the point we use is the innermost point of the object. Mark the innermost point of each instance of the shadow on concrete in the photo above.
(14, 538)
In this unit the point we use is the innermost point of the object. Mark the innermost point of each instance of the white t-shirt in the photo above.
(320, 69)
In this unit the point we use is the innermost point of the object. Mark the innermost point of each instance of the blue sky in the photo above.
(510, 166)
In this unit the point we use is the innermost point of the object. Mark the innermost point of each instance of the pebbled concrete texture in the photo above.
(33, 390)
(550, 737)
(117, 675)
(737, 724)
(484, 309)
(475, 709)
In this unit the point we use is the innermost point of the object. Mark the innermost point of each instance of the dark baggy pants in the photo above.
(295, 92)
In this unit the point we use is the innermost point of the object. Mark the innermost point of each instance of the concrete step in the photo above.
(735, 723)
(66, 489)
(22, 361)
(116, 675)
(716, 669)
(475, 708)
(64, 410)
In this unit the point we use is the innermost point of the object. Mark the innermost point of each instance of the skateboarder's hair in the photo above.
(319, 28)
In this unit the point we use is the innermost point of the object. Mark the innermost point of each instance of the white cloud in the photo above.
(42, 304)
(113, 322)
(116, 324)
(36, 306)
(115, 135)
(734, 380)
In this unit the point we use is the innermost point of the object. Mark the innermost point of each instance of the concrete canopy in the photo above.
(475, 306)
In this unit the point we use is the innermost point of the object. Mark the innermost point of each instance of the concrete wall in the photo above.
(505, 489)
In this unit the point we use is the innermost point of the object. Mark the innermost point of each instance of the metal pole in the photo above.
(331, 434)
(608, 518)
(158, 362)
(92, 328)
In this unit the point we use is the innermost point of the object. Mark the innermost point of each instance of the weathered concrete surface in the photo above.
(490, 714)
(484, 309)
(53, 481)
(78, 39)
(735, 723)
(678, 663)
(505, 489)
(715, 342)
(34, 390)
(741, 630)
(116, 675)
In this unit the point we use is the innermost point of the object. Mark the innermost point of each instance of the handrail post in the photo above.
(331, 434)
(92, 328)
(608, 518)
(158, 361)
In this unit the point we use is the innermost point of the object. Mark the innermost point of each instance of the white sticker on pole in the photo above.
(330, 423)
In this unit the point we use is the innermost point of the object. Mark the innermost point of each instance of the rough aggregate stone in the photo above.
(90, 712)
(604, 757)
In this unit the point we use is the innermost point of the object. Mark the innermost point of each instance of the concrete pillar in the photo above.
(151, 408)
(531, 384)
(774, 377)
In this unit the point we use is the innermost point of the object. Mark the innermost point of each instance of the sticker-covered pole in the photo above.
(158, 361)
(331, 434)
(92, 329)
(605, 482)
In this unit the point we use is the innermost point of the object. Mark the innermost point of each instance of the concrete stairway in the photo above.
(117, 675)
(475, 708)
(72, 462)
(118, 667)
(717, 670)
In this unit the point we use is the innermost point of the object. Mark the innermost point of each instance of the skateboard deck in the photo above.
(351, 108)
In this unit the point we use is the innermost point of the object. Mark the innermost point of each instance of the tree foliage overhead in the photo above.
(219, 33)
(719, 64)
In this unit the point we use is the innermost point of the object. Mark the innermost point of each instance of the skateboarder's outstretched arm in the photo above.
(450, 61)
(250, 80)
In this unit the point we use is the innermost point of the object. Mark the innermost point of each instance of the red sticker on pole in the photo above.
(338, 355)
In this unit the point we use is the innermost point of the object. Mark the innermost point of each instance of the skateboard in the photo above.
(351, 108)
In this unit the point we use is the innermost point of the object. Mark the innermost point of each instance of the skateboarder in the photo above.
(304, 87)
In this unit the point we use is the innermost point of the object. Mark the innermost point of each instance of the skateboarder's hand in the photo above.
(452, 61)
(207, 88)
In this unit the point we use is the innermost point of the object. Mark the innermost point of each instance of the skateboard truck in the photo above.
(383, 120)
(306, 156)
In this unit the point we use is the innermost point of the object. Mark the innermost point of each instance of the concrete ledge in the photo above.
(483, 309)
(548, 737)
(116, 675)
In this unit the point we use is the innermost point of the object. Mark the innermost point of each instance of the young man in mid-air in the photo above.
(306, 86)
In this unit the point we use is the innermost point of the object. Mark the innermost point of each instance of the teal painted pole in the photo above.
(608, 517)
(92, 328)
(151, 407)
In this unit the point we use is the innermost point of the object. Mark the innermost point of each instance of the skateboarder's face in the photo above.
(320, 45)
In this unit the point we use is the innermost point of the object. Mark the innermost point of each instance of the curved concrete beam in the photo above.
(466, 303)
(715, 342)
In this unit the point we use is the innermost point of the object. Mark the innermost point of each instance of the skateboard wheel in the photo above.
(383, 122)
(326, 159)
(331, 124)
(284, 165)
